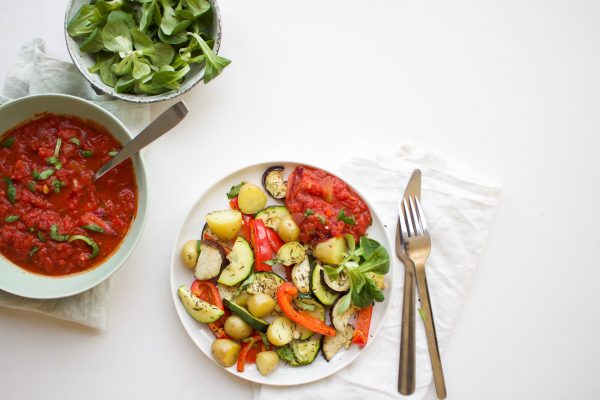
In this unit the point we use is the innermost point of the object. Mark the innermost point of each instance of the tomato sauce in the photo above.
(48, 200)
(324, 206)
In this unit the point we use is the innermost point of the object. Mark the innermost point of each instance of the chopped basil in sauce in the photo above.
(54, 235)
(8, 142)
(345, 219)
(11, 192)
(93, 228)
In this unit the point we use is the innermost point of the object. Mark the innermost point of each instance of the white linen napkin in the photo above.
(459, 207)
(36, 72)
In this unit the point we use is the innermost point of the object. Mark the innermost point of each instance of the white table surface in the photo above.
(508, 87)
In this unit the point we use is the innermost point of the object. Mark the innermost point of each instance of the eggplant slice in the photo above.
(340, 321)
(273, 182)
(333, 344)
(340, 285)
(211, 260)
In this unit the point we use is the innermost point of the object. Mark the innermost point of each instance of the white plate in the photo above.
(215, 199)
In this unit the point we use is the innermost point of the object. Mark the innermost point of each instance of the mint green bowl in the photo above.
(18, 281)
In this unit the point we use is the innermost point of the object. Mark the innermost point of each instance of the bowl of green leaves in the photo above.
(145, 51)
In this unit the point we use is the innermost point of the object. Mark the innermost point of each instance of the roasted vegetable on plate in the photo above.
(285, 282)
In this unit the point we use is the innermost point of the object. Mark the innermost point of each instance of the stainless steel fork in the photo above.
(417, 243)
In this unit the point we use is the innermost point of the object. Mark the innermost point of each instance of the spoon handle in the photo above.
(164, 123)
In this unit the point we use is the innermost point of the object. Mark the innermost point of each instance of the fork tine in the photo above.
(415, 217)
(402, 220)
(421, 216)
(409, 218)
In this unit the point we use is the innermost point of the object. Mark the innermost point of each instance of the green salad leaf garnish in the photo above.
(235, 190)
(369, 256)
(147, 46)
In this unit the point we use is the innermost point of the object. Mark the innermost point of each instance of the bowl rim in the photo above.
(138, 223)
(139, 98)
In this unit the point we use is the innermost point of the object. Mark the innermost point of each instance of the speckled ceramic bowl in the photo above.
(17, 280)
(83, 61)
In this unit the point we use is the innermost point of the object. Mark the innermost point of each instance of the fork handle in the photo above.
(434, 351)
(406, 374)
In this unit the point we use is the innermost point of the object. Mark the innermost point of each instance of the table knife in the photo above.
(406, 369)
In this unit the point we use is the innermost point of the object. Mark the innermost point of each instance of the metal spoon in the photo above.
(161, 125)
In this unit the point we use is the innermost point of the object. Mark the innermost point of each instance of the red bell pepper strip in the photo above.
(245, 232)
(285, 293)
(262, 248)
(363, 323)
(251, 358)
(233, 203)
(274, 240)
(207, 291)
(247, 349)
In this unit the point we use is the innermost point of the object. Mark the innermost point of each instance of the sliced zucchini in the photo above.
(287, 355)
(341, 284)
(306, 351)
(291, 253)
(265, 282)
(301, 276)
(321, 292)
(274, 183)
(257, 323)
(240, 259)
(228, 292)
(332, 344)
(340, 321)
(211, 259)
(314, 309)
(272, 215)
(200, 310)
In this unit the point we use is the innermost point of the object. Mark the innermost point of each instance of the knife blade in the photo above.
(406, 369)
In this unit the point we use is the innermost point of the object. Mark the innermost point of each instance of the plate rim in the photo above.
(174, 256)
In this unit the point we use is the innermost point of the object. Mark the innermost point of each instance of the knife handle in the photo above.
(434, 351)
(406, 373)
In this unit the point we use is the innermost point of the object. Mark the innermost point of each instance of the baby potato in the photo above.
(288, 230)
(251, 199)
(261, 304)
(266, 361)
(189, 254)
(237, 328)
(225, 351)
(242, 299)
(225, 224)
(281, 331)
(331, 251)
